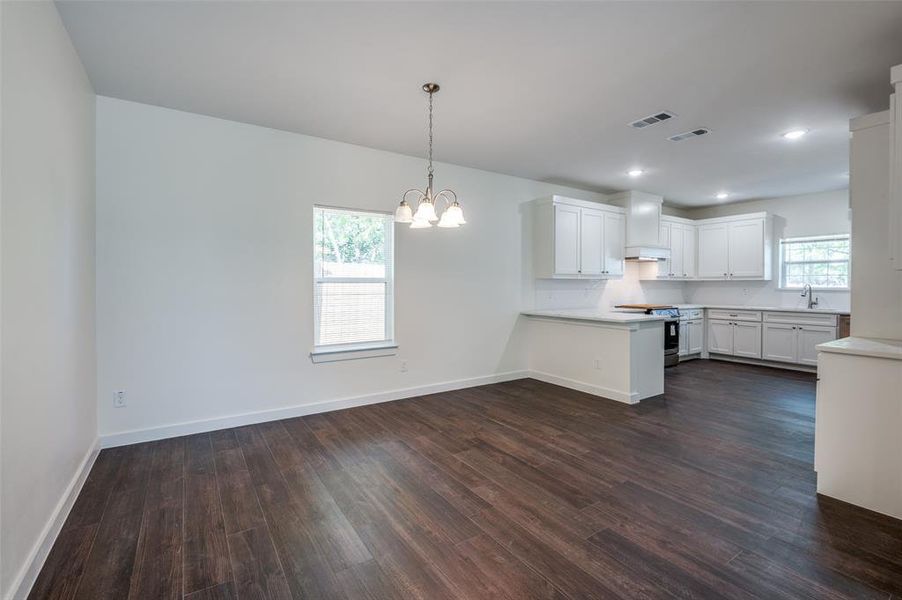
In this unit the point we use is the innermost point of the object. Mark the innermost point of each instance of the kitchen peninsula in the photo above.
(616, 355)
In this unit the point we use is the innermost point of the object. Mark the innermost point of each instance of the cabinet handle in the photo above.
(731, 274)
(799, 327)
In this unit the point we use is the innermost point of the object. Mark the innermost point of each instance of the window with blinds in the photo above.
(352, 278)
(821, 262)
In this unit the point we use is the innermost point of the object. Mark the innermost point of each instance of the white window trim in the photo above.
(353, 351)
(337, 352)
(813, 238)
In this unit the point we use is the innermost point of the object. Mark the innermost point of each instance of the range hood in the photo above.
(643, 226)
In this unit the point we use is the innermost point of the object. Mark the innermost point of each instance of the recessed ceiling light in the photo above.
(795, 134)
(635, 172)
(722, 195)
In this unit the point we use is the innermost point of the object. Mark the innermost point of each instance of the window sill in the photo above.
(353, 352)
(814, 289)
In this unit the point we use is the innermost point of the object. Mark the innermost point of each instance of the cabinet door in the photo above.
(747, 339)
(591, 242)
(809, 337)
(566, 240)
(696, 337)
(685, 326)
(690, 250)
(664, 265)
(713, 259)
(676, 250)
(720, 336)
(614, 233)
(779, 342)
(747, 248)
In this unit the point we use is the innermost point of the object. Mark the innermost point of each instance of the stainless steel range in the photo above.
(671, 333)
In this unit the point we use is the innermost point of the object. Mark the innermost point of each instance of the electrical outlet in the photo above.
(119, 400)
(403, 366)
(598, 364)
(745, 291)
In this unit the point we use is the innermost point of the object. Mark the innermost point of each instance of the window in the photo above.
(352, 280)
(822, 262)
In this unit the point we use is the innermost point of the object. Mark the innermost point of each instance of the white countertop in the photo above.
(858, 346)
(592, 314)
(826, 311)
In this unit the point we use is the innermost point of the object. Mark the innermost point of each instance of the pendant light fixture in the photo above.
(426, 201)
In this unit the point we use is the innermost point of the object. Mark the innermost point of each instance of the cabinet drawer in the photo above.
(735, 315)
(800, 318)
(690, 314)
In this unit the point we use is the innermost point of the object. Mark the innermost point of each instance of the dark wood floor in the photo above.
(516, 490)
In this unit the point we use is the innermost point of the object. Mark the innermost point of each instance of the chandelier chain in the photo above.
(429, 169)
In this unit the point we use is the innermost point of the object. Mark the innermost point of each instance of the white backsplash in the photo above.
(759, 293)
(604, 294)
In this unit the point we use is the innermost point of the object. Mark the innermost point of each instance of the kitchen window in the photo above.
(353, 284)
(821, 262)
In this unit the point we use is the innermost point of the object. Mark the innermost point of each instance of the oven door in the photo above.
(671, 337)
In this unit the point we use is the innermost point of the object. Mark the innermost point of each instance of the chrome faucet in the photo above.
(812, 301)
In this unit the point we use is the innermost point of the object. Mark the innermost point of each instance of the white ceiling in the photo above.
(539, 90)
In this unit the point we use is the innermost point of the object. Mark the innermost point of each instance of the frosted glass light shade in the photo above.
(425, 212)
(403, 214)
(420, 224)
(456, 213)
(448, 220)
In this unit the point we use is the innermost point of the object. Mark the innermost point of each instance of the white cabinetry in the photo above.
(566, 239)
(895, 184)
(735, 247)
(692, 334)
(575, 239)
(713, 241)
(680, 236)
(793, 337)
(734, 333)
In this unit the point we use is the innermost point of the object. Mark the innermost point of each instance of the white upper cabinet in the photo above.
(566, 240)
(591, 242)
(577, 239)
(690, 251)
(747, 249)
(735, 247)
(614, 233)
(680, 236)
(713, 251)
(895, 153)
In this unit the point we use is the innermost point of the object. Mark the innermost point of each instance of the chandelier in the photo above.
(427, 201)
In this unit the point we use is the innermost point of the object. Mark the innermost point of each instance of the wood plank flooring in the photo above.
(513, 491)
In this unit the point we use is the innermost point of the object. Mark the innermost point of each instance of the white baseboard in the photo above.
(27, 575)
(589, 388)
(168, 431)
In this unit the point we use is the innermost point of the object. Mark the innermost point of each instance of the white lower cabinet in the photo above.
(779, 342)
(720, 336)
(795, 342)
(691, 336)
(735, 338)
(697, 337)
(747, 339)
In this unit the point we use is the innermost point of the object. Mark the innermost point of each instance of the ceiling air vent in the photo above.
(652, 119)
(689, 134)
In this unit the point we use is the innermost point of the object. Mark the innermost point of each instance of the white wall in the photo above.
(877, 296)
(794, 216)
(49, 419)
(204, 268)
